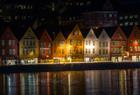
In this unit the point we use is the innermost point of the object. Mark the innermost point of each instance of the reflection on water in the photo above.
(97, 82)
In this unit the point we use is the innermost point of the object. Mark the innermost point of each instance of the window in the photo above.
(126, 17)
(71, 42)
(89, 42)
(93, 43)
(2, 42)
(13, 42)
(100, 44)
(49, 51)
(10, 42)
(131, 49)
(78, 42)
(93, 51)
(89, 51)
(62, 51)
(86, 50)
(136, 16)
(86, 42)
(100, 51)
(138, 48)
(106, 44)
(49, 45)
(3, 52)
(10, 52)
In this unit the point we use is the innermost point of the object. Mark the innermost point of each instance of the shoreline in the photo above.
(68, 67)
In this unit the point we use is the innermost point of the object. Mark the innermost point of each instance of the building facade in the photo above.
(29, 47)
(134, 44)
(45, 47)
(59, 48)
(104, 46)
(90, 46)
(8, 47)
(75, 45)
(118, 45)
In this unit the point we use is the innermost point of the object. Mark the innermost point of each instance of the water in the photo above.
(97, 82)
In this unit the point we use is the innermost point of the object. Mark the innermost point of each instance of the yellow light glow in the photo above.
(90, 47)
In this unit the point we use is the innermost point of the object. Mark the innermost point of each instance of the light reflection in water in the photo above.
(97, 82)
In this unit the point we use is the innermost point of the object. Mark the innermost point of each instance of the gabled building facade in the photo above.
(29, 47)
(8, 47)
(59, 47)
(75, 45)
(45, 47)
(104, 46)
(90, 46)
(134, 44)
(118, 45)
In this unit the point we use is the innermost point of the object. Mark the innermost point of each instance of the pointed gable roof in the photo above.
(59, 37)
(103, 35)
(45, 35)
(29, 32)
(8, 33)
(75, 29)
(135, 33)
(91, 34)
(119, 34)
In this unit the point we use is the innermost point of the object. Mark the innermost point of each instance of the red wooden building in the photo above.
(8, 47)
(45, 47)
(134, 44)
(118, 45)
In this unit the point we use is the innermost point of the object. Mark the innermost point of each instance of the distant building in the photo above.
(100, 19)
(118, 45)
(90, 46)
(45, 47)
(8, 47)
(29, 47)
(105, 18)
(128, 18)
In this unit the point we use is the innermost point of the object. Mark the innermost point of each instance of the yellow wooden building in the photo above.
(75, 45)
(29, 47)
(59, 48)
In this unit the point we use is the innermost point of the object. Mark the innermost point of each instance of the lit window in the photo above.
(126, 23)
(121, 18)
(110, 15)
(93, 43)
(131, 17)
(121, 24)
(14, 52)
(126, 17)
